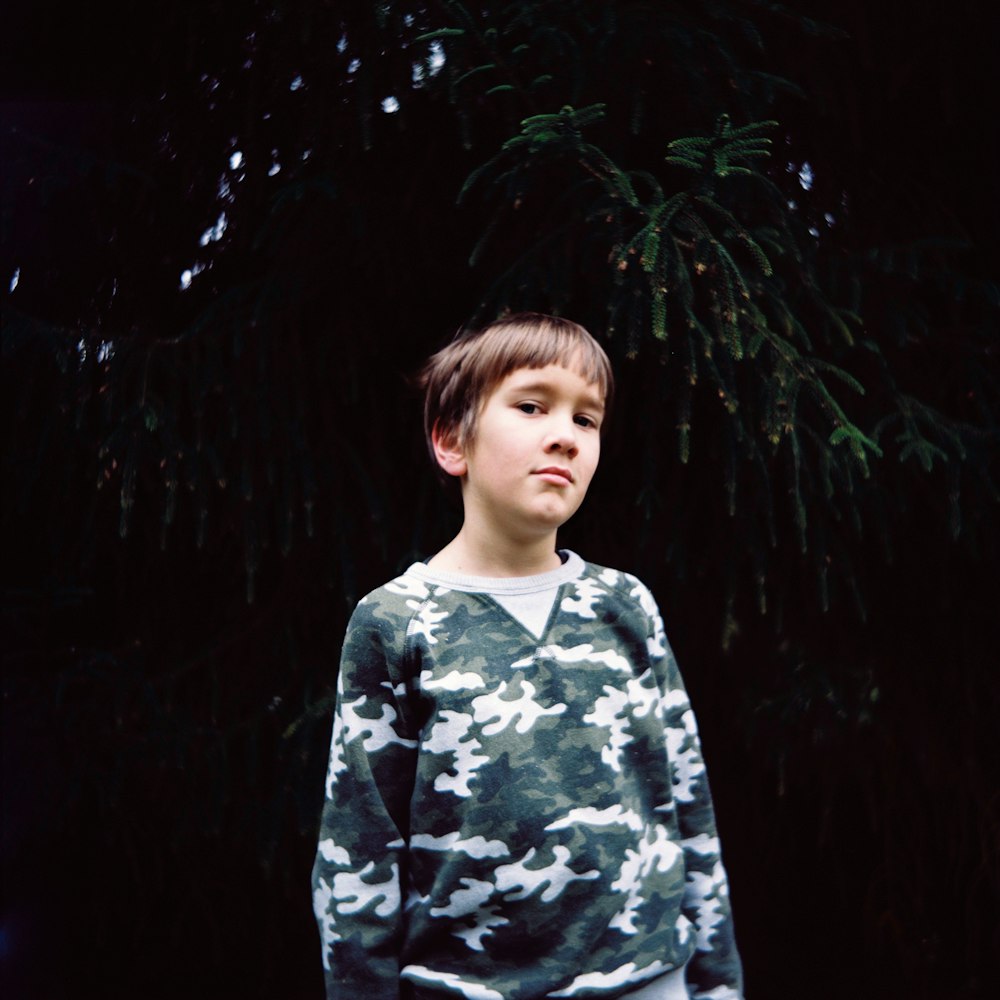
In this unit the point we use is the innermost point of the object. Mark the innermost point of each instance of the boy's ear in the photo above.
(448, 451)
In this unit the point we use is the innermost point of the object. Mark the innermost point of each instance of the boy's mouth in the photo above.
(555, 474)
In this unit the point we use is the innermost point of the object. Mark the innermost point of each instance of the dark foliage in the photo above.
(229, 232)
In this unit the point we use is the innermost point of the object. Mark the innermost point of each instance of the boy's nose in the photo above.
(563, 439)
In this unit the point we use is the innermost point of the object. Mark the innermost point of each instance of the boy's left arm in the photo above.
(715, 971)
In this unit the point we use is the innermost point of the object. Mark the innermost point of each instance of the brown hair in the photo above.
(457, 380)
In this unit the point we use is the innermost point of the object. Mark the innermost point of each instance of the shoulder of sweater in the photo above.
(616, 580)
(392, 605)
(626, 591)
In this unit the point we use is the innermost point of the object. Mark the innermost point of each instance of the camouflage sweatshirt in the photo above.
(511, 815)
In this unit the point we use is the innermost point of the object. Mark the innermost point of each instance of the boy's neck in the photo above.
(497, 557)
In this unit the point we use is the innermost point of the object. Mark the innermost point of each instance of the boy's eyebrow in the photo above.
(542, 386)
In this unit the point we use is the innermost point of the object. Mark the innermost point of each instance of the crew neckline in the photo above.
(570, 569)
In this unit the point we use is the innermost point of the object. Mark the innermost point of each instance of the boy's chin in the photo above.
(553, 520)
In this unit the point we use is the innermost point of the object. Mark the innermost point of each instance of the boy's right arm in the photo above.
(358, 876)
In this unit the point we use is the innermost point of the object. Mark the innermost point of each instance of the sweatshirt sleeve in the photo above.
(715, 971)
(359, 872)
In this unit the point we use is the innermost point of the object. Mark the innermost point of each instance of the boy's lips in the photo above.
(556, 474)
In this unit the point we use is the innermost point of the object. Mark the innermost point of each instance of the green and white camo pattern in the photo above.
(510, 818)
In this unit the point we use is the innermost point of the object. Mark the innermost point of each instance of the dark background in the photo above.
(202, 476)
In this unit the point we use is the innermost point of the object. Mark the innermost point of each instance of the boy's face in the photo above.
(536, 446)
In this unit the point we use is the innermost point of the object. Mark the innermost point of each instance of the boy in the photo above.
(516, 803)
